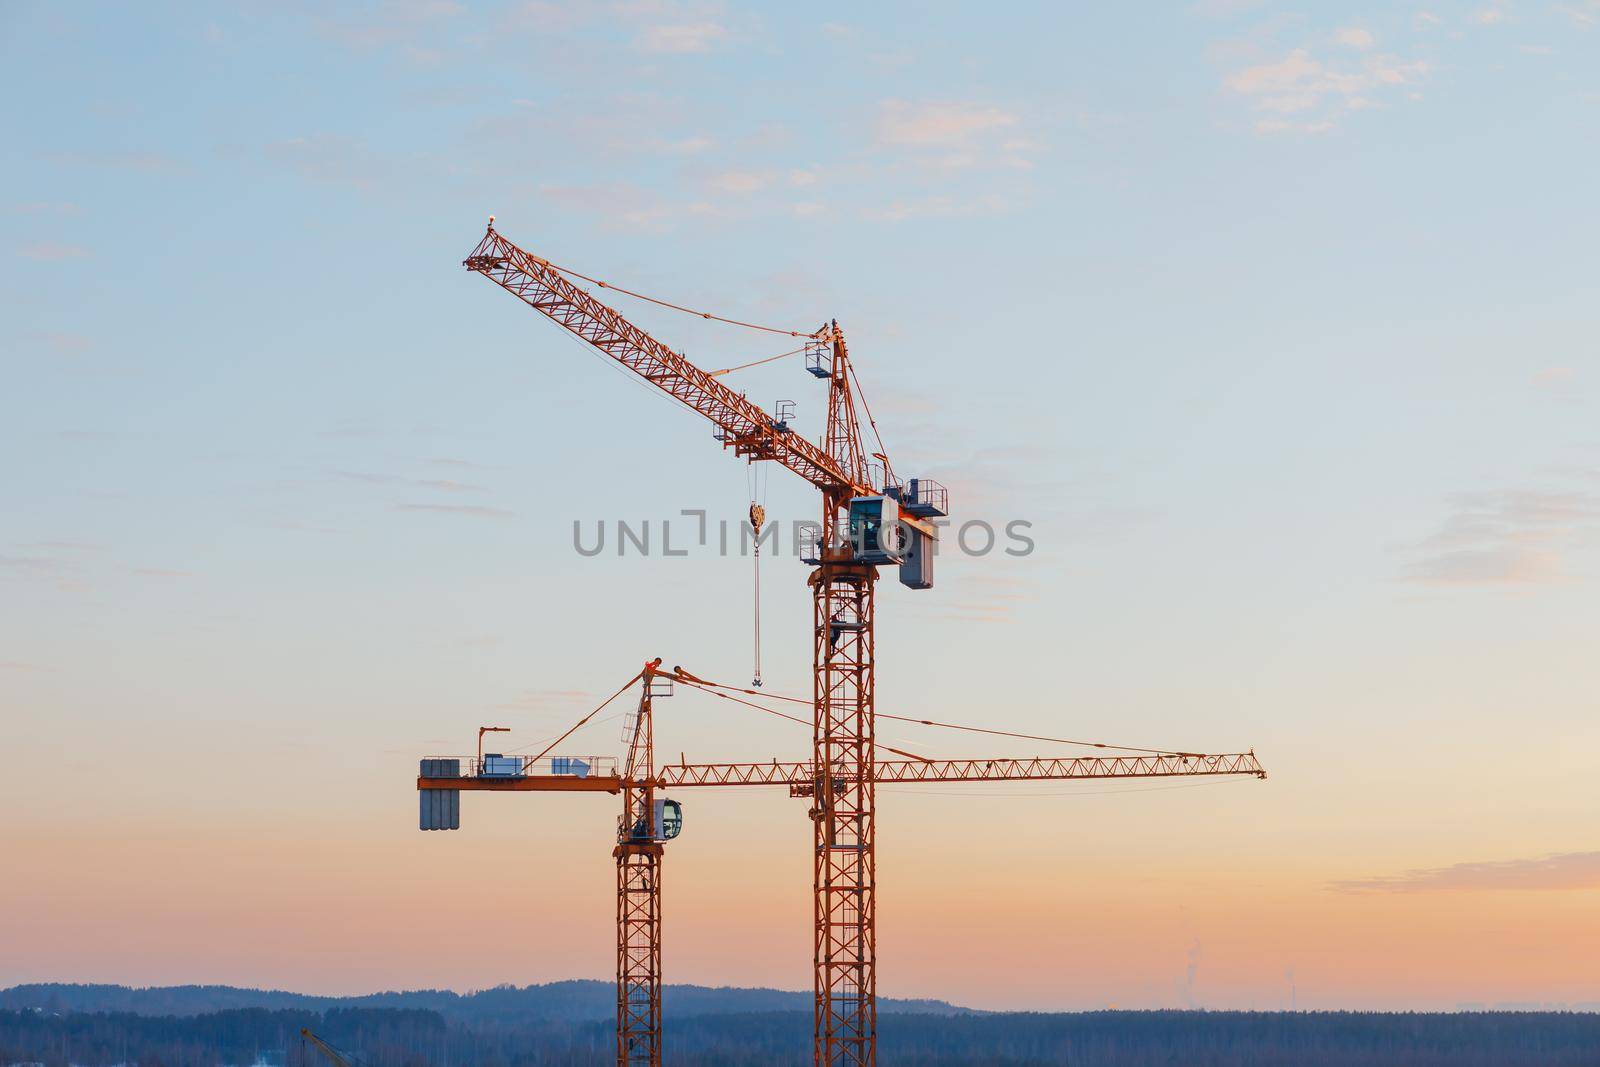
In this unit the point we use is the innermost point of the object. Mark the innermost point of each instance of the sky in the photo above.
(1276, 322)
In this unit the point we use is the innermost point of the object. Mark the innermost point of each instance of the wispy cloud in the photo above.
(1558, 871)
(1507, 537)
(541, 699)
(403, 24)
(144, 162)
(446, 485)
(330, 159)
(473, 510)
(679, 38)
(52, 251)
(63, 345)
(1585, 15)
(46, 207)
(939, 125)
(740, 182)
(1355, 37)
(1302, 93)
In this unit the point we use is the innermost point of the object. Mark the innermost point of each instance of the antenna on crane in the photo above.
(488, 730)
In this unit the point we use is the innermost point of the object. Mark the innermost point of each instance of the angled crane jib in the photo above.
(742, 424)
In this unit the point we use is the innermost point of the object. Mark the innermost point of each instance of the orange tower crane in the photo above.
(649, 820)
(887, 523)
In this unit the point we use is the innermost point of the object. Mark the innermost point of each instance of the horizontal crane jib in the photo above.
(538, 283)
(972, 770)
(799, 772)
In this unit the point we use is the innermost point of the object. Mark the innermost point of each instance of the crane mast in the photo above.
(638, 854)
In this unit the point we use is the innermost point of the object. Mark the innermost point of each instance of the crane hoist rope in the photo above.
(580, 723)
(756, 484)
(791, 718)
(972, 729)
(758, 519)
(705, 685)
(758, 362)
(882, 453)
(678, 307)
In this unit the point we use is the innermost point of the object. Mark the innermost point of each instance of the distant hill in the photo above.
(573, 1001)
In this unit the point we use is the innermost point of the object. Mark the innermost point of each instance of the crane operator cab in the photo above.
(665, 823)
(874, 528)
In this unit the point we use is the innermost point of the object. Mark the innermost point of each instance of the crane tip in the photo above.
(491, 222)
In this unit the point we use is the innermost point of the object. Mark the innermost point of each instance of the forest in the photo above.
(41, 1025)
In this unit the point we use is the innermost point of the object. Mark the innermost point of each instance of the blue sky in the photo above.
(1276, 321)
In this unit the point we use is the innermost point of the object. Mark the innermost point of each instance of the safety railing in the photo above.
(519, 766)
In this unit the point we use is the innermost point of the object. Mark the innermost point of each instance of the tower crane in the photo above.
(869, 519)
(649, 819)
(887, 523)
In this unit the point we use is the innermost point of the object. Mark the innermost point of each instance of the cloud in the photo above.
(936, 206)
(1525, 564)
(1314, 92)
(161, 572)
(52, 251)
(329, 159)
(1508, 537)
(46, 207)
(950, 125)
(1557, 871)
(1584, 16)
(1218, 9)
(692, 145)
(64, 345)
(390, 23)
(985, 596)
(540, 699)
(1489, 16)
(740, 182)
(1289, 126)
(141, 162)
(682, 38)
(446, 485)
(473, 510)
(1355, 37)
(33, 564)
(621, 205)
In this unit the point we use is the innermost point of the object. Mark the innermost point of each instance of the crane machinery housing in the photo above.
(869, 519)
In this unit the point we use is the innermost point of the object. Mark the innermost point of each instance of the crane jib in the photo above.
(743, 426)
